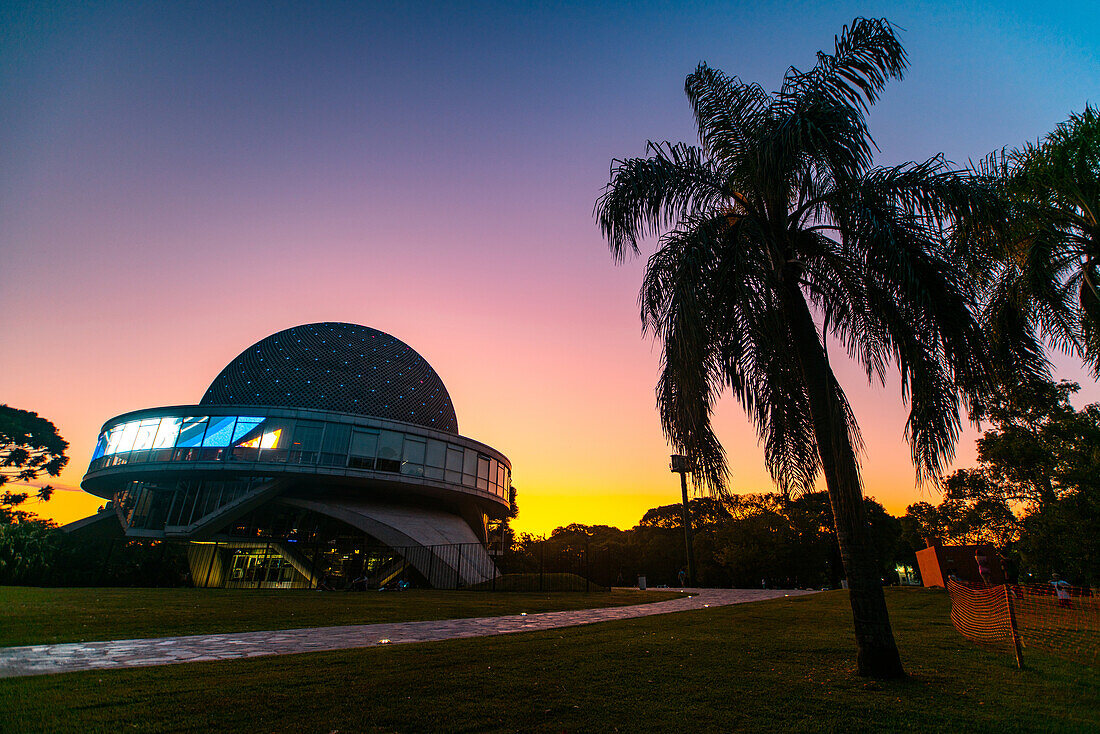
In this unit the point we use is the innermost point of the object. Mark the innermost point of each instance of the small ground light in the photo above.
(384, 641)
(523, 614)
(706, 606)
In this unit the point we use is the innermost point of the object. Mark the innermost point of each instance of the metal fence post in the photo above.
(587, 569)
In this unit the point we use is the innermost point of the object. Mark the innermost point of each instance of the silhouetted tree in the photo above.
(1035, 493)
(29, 447)
(777, 218)
(500, 530)
(703, 510)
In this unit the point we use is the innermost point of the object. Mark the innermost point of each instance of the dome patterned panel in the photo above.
(341, 367)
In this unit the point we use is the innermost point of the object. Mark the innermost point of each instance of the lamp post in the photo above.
(680, 465)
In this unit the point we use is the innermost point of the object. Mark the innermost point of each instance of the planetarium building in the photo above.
(324, 455)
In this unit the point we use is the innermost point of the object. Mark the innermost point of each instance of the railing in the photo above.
(345, 565)
(322, 439)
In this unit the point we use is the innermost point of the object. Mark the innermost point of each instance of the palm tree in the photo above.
(776, 218)
(1039, 265)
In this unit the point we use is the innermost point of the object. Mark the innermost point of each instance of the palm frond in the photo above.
(676, 308)
(865, 56)
(646, 195)
(729, 113)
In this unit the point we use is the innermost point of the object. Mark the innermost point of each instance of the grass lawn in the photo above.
(31, 616)
(776, 666)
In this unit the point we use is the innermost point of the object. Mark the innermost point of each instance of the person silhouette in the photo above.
(1061, 589)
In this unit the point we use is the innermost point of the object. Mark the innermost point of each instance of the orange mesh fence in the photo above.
(980, 613)
(1062, 622)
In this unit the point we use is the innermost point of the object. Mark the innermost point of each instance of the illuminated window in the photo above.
(219, 431)
(191, 432)
(129, 435)
(271, 439)
(114, 435)
(114, 438)
(247, 429)
(101, 446)
(146, 432)
(275, 439)
(167, 433)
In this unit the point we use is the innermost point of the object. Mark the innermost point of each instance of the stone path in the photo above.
(68, 657)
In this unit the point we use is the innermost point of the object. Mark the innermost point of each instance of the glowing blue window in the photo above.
(220, 430)
(114, 435)
(191, 432)
(100, 446)
(245, 424)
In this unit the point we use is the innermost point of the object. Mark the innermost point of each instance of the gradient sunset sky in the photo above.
(179, 180)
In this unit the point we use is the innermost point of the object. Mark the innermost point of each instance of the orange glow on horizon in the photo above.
(585, 448)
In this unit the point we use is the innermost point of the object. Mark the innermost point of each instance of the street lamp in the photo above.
(680, 465)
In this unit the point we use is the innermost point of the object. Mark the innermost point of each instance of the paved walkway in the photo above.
(68, 657)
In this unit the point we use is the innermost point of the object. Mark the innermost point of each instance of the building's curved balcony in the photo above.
(192, 441)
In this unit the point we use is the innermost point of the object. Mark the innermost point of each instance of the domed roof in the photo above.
(341, 367)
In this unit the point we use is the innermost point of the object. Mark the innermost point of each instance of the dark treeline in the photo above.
(754, 539)
(1034, 495)
(743, 541)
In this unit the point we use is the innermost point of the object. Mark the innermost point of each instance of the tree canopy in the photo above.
(1035, 493)
(1036, 264)
(30, 446)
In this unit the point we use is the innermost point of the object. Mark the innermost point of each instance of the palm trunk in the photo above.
(878, 653)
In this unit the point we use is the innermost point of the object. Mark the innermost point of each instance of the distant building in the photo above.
(324, 454)
(973, 564)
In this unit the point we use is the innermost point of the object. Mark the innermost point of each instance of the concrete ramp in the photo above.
(440, 545)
